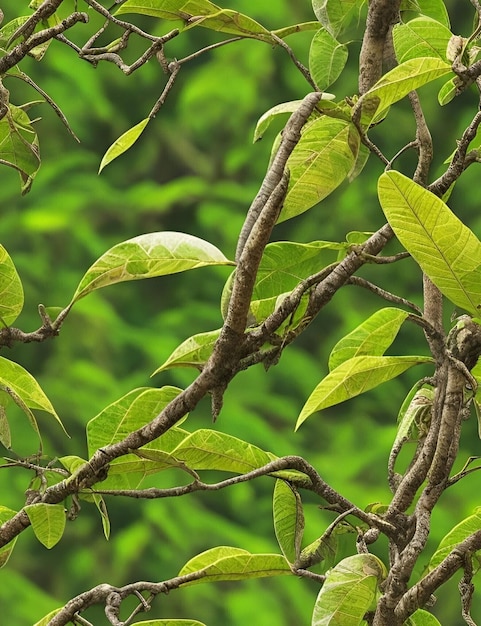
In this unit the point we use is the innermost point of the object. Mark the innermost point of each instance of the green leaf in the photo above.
(201, 13)
(327, 59)
(416, 406)
(373, 337)
(45, 621)
(123, 143)
(435, 9)
(6, 514)
(354, 377)
(396, 84)
(127, 414)
(170, 9)
(5, 434)
(422, 618)
(11, 291)
(285, 109)
(447, 250)
(19, 145)
(456, 535)
(170, 622)
(146, 256)
(207, 449)
(349, 592)
(226, 563)
(193, 352)
(336, 15)
(285, 264)
(421, 37)
(319, 163)
(25, 391)
(288, 519)
(296, 28)
(447, 92)
(48, 522)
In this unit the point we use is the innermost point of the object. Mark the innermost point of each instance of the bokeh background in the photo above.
(196, 170)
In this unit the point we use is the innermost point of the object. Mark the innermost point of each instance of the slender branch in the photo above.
(390, 297)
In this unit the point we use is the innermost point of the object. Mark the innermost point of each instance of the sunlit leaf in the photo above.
(24, 390)
(285, 263)
(5, 433)
(349, 591)
(146, 256)
(435, 9)
(127, 414)
(422, 618)
(421, 37)
(288, 519)
(396, 84)
(327, 58)
(193, 352)
(206, 449)
(336, 15)
(355, 376)
(319, 163)
(6, 514)
(226, 563)
(123, 143)
(201, 13)
(11, 291)
(48, 522)
(373, 337)
(447, 250)
(456, 535)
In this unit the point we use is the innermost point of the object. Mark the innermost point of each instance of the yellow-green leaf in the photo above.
(48, 522)
(11, 291)
(353, 377)
(123, 143)
(446, 250)
(147, 256)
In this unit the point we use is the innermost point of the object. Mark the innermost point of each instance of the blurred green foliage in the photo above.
(194, 170)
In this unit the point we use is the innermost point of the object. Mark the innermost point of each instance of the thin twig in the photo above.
(382, 293)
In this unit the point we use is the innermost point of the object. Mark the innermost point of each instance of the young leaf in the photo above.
(336, 15)
(460, 532)
(447, 250)
(349, 591)
(421, 37)
(288, 519)
(146, 256)
(373, 337)
(396, 84)
(123, 143)
(422, 618)
(11, 291)
(6, 550)
(280, 110)
(319, 163)
(169, 9)
(193, 352)
(225, 563)
(123, 416)
(25, 391)
(48, 522)
(355, 376)
(327, 58)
